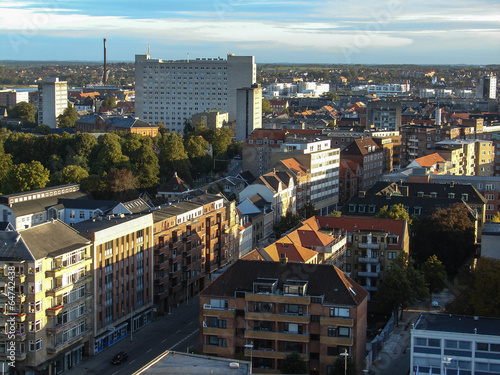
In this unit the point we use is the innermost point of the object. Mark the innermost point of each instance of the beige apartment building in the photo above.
(45, 298)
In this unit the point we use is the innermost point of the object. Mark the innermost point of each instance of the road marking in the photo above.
(177, 332)
(114, 373)
(149, 350)
(190, 323)
(164, 340)
(184, 339)
(129, 362)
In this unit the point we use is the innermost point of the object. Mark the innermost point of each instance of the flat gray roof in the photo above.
(458, 324)
(174, 363)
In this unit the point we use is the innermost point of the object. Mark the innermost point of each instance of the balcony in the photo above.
(57, 348)
(337, 321)
(21, 277)
(20, 317)
(219, 350)
(61, 270)
(20, 356)
(343, 341)
(220, 313)
(280, 318)
(278, 298)
(282, 336)
(18, 336)
(63, 288)
(368, 260)
(271, 354)
(218, 331)
(368, 274)
(364, 245)
(55, 329)
(54, 311)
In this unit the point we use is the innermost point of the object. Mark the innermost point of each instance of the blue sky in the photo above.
(294, 31)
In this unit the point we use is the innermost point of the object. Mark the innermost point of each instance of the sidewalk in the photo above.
(394, 358)
(93, 364)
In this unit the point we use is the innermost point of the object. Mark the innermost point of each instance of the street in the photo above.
(177, 332)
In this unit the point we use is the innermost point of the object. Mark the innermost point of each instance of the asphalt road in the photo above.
(177, 332)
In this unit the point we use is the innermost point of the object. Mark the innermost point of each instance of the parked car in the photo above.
(119, 358)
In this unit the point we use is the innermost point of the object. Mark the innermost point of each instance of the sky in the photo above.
(274, 31)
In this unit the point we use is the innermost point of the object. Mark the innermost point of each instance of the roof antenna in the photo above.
(148, 48)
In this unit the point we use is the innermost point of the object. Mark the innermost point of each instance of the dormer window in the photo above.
(265, 286)
(420, 194)
(451, 195)
(465, 197)
(295, 287)
(433, 194)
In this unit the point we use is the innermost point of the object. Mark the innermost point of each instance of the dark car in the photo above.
(119, 358)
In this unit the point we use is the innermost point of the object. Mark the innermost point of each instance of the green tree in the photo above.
(434, 274)
(235, 148)
(336, 214)
(25, 177)
(402, 284)
(448, 233)
(110, 101)
(221, 140)
(5, 163)
(24, 111)
(308, 211)
(73, 174)
(266, 106)
(68, 118)
(485, 293)
(145, 165)
(333, 96)
(43, 129)
(340, 369)
(197, 150)
(108, 154)
(173, 157)
(496, 218)
(396, 212)
(293, 364)
(21, 146)
(286, 223)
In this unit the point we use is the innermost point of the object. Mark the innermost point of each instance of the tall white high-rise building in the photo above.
(52, 101)
(487, 87)
(248, 111)
(172, 91)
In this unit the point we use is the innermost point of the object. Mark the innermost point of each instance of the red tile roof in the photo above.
(430, 160)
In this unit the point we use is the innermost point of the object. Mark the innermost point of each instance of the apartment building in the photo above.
(192, 240)
(487, 87)
(371, 245)
(266, 310)
(384, 115)
(172, 91)
(276, 188)
(249, 111)
(213, 119)
(485, 158)
(262, 143)
(460, 155)
(10, 97)
(29, 208)
(52, 101)
(369, 156)
(45, 298)
(123, 275)
(455, 345)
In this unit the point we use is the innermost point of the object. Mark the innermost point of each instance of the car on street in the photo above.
(119, 358)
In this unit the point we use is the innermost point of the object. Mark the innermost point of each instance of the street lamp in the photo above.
(446, 362)
(250, 346)
(345, 355)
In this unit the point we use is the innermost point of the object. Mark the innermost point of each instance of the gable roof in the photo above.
(295, 166)
(174, 185)
(430, 160)
(294, 253)
(329, 281)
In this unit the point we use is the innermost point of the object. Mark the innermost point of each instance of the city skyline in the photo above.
(276, 31)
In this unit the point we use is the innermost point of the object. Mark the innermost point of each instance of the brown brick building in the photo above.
(192, 240)
(279, 308)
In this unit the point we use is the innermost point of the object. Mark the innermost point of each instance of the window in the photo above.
(391, 255)
(293, 309)
(435, 342)
(340, 312)
(222, 304)
(215, 341)
(82, 214)
(35, 346)
(315, 318)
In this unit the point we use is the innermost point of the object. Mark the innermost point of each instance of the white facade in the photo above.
(452, 344)
(300, 89)
(172, 91)
(9, 98)
(248, 111)
(52, 101)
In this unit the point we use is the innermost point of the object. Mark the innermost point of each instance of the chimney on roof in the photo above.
(283, 258)
(362, 194)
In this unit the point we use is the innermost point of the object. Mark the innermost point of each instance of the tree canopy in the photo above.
(402, 284)
(293, 364)
(266, 106)
(110, 101)
(24, 177)
(338, 367)
(396, 212)
(448, 233)
(24, 111)
(68, 118)
(434, 274)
